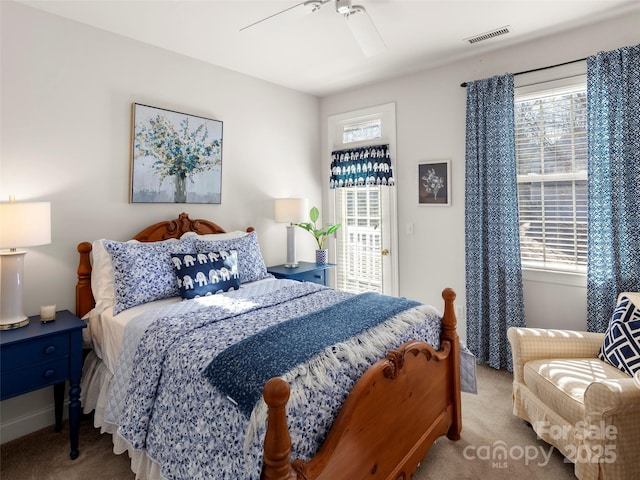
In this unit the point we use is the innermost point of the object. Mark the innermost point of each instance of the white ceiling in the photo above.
(317, 54)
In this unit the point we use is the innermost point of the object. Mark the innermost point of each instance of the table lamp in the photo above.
(291, 210)
(21, 225)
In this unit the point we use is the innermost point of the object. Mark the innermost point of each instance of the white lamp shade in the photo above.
(291, 210)
(25, 224)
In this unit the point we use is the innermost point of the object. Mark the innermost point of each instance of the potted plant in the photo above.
(319, 233)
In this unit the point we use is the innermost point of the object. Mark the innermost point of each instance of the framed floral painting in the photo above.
(434, 183)
(176, 157)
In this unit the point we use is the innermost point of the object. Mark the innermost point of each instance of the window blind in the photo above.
(551, 154)
(360, 239)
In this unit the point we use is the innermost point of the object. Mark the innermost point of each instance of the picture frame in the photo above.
(175, 157)
(434, 183)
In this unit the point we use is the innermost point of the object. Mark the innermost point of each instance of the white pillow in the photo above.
(102, 276)
(214, 236)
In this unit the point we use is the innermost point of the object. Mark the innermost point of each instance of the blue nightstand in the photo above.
(44, 354)
(304, 272)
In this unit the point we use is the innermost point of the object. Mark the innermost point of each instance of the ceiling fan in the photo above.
(356, 17)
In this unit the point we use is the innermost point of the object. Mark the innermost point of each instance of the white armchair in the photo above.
(585, 407)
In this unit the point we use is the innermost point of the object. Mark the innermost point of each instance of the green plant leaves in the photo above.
(320, 234)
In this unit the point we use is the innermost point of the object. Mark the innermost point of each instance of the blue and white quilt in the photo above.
(164, 404)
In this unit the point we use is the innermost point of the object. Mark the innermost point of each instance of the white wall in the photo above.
(430, 116)
(67, 91)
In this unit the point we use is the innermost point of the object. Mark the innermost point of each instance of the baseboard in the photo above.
(29, 422)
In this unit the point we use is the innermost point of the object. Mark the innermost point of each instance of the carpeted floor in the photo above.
(44, 455)
(488, 424)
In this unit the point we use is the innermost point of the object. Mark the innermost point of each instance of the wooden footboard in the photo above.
(390, 419)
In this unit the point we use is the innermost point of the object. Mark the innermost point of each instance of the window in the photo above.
(362, 131)
(551, 155)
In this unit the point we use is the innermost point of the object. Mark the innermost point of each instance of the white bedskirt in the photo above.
(96, 379)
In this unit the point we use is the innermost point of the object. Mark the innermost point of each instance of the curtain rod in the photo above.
(541, 68)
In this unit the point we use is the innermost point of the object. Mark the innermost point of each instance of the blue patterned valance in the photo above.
(359, 167)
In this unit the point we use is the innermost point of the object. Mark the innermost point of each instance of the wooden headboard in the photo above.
(153, 233)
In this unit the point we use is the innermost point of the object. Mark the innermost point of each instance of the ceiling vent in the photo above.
(486, 36)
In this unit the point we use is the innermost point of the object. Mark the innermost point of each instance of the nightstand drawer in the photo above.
(22, 380)
(316, 276)
(23, 354)
(304, 272)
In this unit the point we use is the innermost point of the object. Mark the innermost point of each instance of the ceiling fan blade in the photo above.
(299, 10)
(365, 31)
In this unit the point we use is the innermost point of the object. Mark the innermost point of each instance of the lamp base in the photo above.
(11, 326)
(291, 247)
(11, 313)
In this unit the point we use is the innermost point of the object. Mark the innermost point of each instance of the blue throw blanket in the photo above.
(241, 370)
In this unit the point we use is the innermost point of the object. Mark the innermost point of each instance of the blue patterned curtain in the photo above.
(613, 92)
(494, 276)
(357, 167)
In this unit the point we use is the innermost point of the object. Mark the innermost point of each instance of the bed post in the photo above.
(449, 334)
(84, 297)
(277, 441)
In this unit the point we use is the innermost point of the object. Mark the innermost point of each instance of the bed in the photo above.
(162, 375)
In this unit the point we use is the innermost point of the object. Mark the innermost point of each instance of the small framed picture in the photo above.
(434, 183)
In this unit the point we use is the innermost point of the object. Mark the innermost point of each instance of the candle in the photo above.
(47, 313)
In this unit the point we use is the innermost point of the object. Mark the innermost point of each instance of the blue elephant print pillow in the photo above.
(207, 273)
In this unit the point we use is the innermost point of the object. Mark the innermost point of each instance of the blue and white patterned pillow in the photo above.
(143, 272)
(621, 347)
(203, 274)
(250, 262)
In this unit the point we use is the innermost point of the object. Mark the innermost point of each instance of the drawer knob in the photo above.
(49, 373)
(50, 349)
